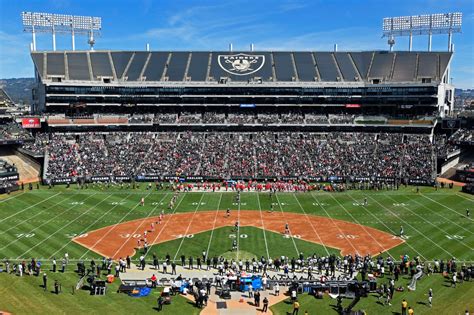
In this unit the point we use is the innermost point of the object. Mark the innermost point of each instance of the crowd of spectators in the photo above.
(234, 154)
(13, 131)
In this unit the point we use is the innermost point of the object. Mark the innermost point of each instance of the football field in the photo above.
(85, 223)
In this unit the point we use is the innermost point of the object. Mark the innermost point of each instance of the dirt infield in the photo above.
(120, 240)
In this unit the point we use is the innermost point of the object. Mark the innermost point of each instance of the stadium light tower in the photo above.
(35, 22)
(428, 24)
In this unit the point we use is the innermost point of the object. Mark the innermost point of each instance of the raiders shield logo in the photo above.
(451, 123)
(241, 64)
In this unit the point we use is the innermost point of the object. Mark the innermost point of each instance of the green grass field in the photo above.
(41, 224)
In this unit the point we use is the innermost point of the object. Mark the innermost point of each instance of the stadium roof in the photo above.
(201, 66)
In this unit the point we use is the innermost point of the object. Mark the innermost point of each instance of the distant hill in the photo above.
(19, 89)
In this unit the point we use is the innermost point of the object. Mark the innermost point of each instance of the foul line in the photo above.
(406, 222)
(110, 230)
(289, 229)
(141, 223)
(263, 225)
(16, 213)
(337, 226)
(238, 227)
(187, 229)
(92, 224)
(65, 226)
(310, 222)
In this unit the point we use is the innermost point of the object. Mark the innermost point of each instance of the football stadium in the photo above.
(237, 181)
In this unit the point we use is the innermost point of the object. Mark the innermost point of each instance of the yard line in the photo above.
(62, 227)
(393, 232)
(213, 227)
(289, 229)
(363, 226)
(90, 225)
(166, 223)
(469, 231)
(238, 229)
(15, 240)
(465, 197)
(9, 198)
(314, 229)
(263, 225)
(37, 214)
(143, 220)
(332, 220)
(189, 225)
(422, 195)
(431, 223)
(113, 227)
(422, 234)
(16, 213)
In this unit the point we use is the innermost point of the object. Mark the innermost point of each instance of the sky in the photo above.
(212, 25)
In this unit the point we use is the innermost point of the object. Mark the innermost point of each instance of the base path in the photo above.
(120, 240)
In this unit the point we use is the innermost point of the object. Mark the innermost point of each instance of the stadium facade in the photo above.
(126, 81)
(394, 92)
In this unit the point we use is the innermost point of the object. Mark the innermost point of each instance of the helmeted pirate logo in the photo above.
(241, 64)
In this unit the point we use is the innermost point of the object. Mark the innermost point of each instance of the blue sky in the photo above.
(211, 25)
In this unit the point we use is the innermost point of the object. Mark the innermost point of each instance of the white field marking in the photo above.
(37, 214)
(113, 227)
(63, 226)
(334, 223)
(363, 226)
(392, 231)
(289, 228)
(412, 227)
(312, 226)
(465, 197)
(446, 218)
(15, 240)
(189, 225)
(166, 223)
(263, 225)
(458, 213)
(238, 231)
(213, 227)
(431, 223)
(29, 207)
(139, 226)
(10, 198)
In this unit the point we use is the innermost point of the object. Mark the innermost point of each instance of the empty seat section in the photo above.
(136, 67)
(405, 66)
(121, 60)
(362, 61)
(305, 66)
(100, 64)
(346, 67)
(55, 64)
(381, 65)
(283, 66)
(155, 66)
(198, 67)
(177, 66)
(327, 67)
(78, 66)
